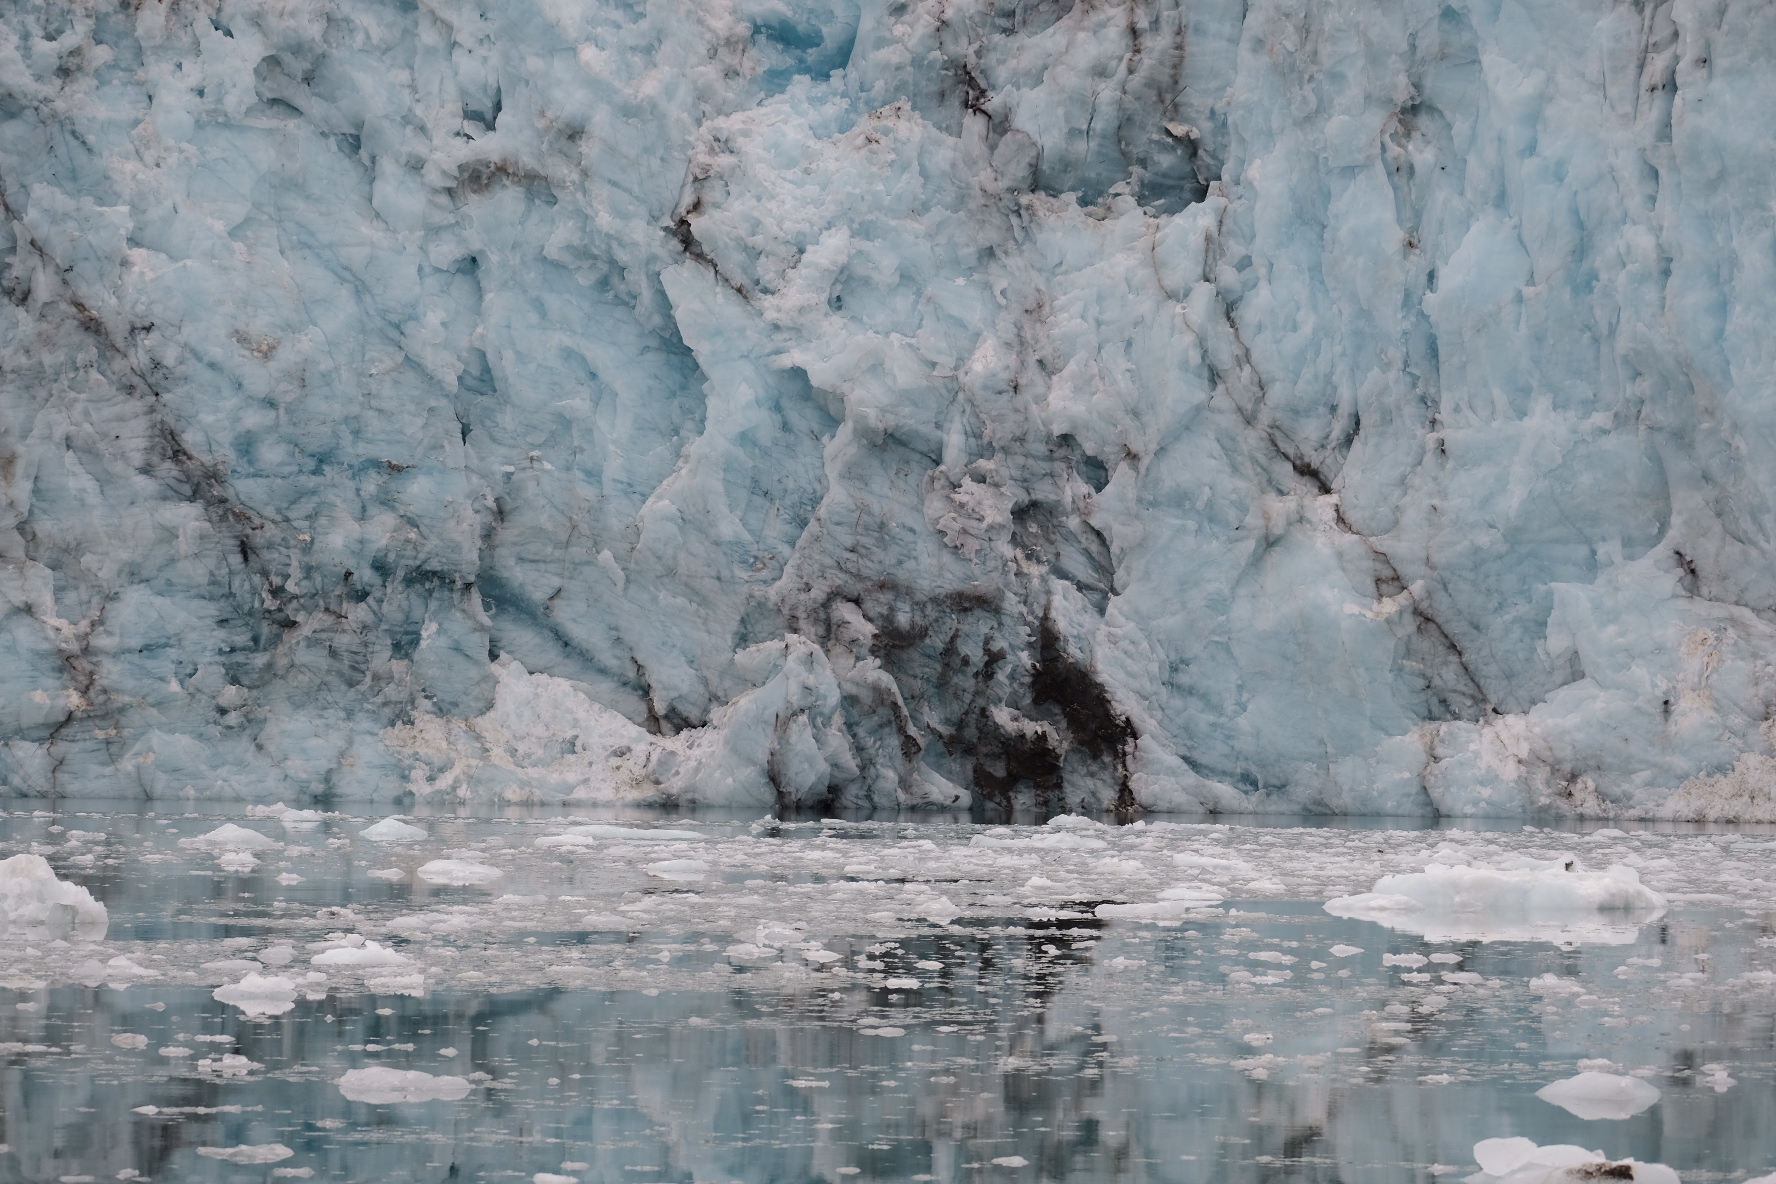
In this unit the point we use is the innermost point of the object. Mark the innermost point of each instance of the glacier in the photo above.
(1257, 406)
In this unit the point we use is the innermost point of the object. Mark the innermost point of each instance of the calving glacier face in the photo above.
(1231, 406)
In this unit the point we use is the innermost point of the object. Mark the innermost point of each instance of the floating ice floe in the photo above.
(1520, 1161)
(369, 954)
(593, 833)
(388, 1086)
(1593, 1095)
(293, 818)
(1521, 899)
(228, 1065)
(259, 994)
(678, 869)
(230, 837)
(392, 830)
(35, 904)
(458, 872)
(748, 954)
(1238, 868)
(1174, 904)
(261, 1153)
(1060, 840)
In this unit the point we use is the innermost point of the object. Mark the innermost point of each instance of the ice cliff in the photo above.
(1233, 404)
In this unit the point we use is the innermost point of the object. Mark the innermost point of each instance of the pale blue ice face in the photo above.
(1350, 408)
(807, 1007)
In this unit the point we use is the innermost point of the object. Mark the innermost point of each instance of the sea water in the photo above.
(704, 999)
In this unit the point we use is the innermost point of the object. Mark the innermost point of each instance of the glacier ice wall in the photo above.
(1232, 405)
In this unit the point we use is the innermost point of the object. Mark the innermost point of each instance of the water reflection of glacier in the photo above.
(1086, 1049)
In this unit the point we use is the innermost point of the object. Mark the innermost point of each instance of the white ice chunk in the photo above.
(1209, 863)
(1520, 1161)
(259, 994)
(635, 834)
(36, 905)
(1594, 1095)
(678, 869)
(228, 1065)
(229, 837)
(393, 830)
(260, 1153)
(386, 1086)
(1063, 840)
(747, 954)
(369, 954)
(1526, 900)
(458, 872)
(121, 969)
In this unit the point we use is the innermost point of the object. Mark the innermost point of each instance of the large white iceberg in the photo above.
(836, 403)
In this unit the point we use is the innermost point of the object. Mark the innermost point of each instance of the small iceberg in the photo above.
(259, 994)
(35, 904)
(593, 833)
(229, 837)
(1553, 900)
(369, 954)
(392, 830)
(387, 1086)
(1600, 1095)
(257, 1153)
(459, 873)
(1520, 1161)
(678, 869)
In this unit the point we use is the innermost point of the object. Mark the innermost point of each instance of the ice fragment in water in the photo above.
(385, 1086)
(1593, 1095)
(369, 954)
(635, 834)
(228, 1065)
(1526, 900)
(678, 869)
(458, 872)
(392, 830)
(129, 1040)
(262, 1153)
(229, 837)
(259, 994)
(1520, 1161)
(36, 906)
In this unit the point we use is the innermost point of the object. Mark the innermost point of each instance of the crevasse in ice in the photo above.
(1235, 405)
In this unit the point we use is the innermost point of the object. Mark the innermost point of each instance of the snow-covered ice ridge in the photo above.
(1234, 405)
